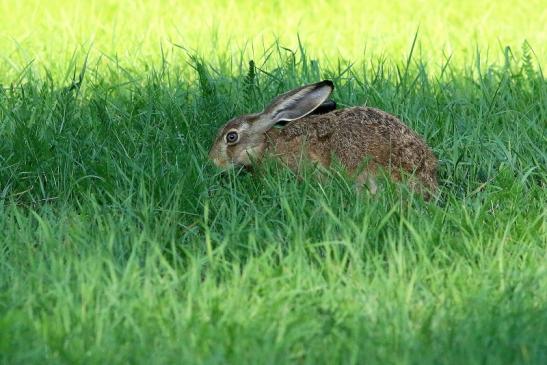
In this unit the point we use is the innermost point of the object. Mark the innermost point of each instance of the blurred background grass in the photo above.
(47, 33)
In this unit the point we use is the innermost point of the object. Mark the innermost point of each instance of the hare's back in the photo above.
(355, 133)
(371, 120)
(367, 132)
(368, 121)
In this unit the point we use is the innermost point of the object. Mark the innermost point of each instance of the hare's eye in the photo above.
(232, 137)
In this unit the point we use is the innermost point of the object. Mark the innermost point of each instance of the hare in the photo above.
(363, 139)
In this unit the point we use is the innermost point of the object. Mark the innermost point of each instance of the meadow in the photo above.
(120, 243)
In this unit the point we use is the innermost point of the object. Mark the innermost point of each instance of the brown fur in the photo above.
(351, 135)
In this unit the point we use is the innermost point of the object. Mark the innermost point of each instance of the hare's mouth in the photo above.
(218, 163)
(233, 170)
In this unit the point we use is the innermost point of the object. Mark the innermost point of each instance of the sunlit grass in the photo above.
(47, 33)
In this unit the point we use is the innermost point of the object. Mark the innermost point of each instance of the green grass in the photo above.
(120, 244)
(132, 34)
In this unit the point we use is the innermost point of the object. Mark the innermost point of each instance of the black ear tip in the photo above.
(328, 83)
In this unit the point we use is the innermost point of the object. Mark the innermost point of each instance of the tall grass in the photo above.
(120, 244)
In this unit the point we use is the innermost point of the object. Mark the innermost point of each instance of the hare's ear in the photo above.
(295, 104)
(327, 107)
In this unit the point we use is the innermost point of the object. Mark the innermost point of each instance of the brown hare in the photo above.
(363, 139)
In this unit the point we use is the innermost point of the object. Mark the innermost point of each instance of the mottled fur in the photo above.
(361, 138)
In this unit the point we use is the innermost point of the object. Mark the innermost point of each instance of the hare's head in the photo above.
(243, 139)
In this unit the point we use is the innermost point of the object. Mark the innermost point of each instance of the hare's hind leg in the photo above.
(366, 178)
(365, 175)
(417, 184)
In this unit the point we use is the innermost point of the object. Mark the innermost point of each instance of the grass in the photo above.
(120, 244)
(133, 34)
